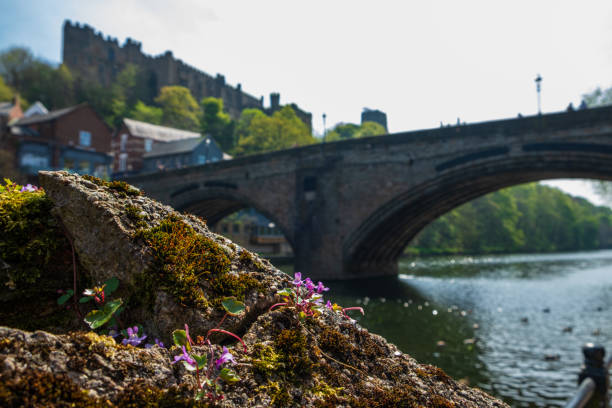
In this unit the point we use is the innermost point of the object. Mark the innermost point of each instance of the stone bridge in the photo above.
(349, 208)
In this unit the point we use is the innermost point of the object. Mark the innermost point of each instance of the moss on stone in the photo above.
(183, 259)
(30, 238)
(141, 394)
(122, 188)
(35, 388)
(249, 261)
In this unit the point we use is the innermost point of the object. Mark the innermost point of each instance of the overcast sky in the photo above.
(420, 62)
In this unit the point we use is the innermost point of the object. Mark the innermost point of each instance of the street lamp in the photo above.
(324, 129)
(538, 82)
(207, 148)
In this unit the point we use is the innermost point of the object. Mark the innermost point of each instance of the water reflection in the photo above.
(511, 325)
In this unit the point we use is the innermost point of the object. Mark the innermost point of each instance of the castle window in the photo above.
(84, 138)
(124, 138)
(148, 145)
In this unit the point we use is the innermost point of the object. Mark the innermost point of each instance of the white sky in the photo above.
(420, 62)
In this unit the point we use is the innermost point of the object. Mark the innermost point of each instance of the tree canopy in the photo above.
(217, 123)
(179, 108)
(345, 131)
(260, 133)
(525, 218)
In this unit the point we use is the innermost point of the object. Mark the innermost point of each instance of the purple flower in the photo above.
(133, 338)
(159, 343)
(29, 188)
(329, 305)
(298, 279)
(309, 285)
(225, 357)
(321, 288)
(185, 357)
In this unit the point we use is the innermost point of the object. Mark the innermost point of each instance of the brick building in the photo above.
(134, 139)
(74, 138)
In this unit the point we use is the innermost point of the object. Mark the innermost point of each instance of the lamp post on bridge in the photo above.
(538, 82)
(324, 129)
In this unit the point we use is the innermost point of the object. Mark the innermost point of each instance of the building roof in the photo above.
(176, 147)
(46, 117)
(37, 108)
(5, 107)
(158, 133)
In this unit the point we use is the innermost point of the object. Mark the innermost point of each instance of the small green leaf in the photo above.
(188, 366)
(233, 306)
(111, 285)
(201, 394)
(180, 339)
(85, 299)
(228, 375)
(65, 297)
(200, 361)
(98, 317)
(286, 292)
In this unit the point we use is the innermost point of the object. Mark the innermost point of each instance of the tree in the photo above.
(180, 110)
(370, 129)
(345, 131)
(264, 133)
(6, 93)
(145, 113)
(342, 131)
(598, 97)
(13, 63)
(217, 123)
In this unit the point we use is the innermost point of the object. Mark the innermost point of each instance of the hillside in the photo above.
(525, 218)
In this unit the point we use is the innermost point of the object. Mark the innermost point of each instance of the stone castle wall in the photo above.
(95, 58)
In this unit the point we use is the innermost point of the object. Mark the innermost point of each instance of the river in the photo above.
(512, 325)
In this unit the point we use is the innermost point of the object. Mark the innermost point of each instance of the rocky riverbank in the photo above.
(173, 271)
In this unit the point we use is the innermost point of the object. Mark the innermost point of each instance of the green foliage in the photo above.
(525, 218)
(179, 108)
(6, 93)
(98, 317)
(599, 97)
(260, 133)
(345, 131)
(145, 113)
(184, 259)
(29, 235)
(179, 337)
(233, 306)
(217, 123)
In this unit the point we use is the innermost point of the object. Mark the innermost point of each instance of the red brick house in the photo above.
(134, 139)
(74, 138)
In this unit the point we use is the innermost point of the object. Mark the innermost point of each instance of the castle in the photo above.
(94, 58)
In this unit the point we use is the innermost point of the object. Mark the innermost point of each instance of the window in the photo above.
(236, 228)
(68, 164)
(123, 161)
(124, 138)
(34, 160)
(148, 145)
(84, 166)
(84, 138)
(201, 159)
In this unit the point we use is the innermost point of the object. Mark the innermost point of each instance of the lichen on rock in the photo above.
(172, 271)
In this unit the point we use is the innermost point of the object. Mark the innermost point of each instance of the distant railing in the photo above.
(594, 379)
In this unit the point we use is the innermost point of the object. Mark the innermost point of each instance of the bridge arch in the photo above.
(214, 204)
(373, 249)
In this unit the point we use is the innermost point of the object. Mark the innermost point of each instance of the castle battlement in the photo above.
(95, 58)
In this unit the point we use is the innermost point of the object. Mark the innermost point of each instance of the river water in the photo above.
(512, 325)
